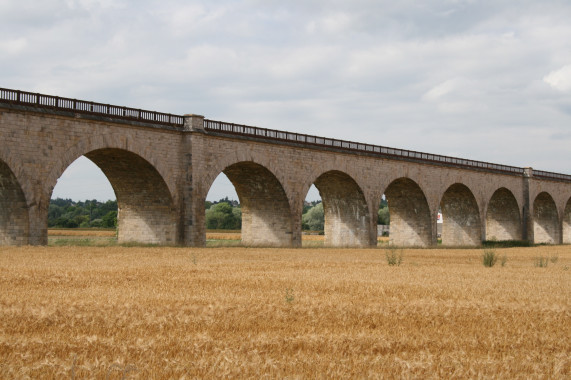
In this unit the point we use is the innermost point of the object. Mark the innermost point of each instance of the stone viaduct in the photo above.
(161, 167)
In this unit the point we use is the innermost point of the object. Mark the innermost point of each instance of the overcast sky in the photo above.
(485, 80)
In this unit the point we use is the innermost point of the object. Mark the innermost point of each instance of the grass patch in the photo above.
(393, 255)
(219, 243)
(489, 257)
(506, 243)
(540, 262)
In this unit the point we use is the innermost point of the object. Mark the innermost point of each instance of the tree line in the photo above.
(65, 213)
(224, 214)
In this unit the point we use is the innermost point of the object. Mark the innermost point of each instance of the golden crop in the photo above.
(82, 232)
(223, 236)
(154, 313)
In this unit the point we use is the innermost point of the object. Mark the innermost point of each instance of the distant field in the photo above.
(213, 237)
(136, 312)
(83, 232)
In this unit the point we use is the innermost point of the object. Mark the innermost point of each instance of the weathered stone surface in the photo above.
(545, 220)
(266, 219)
(345, 208)
(460, 216)
(13, 210)
(503, 221)
(567, 223)
(411, 223)
(146, 210)
(161, 177)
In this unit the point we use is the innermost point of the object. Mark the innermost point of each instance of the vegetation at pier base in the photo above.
(174, 313)
(506, 243)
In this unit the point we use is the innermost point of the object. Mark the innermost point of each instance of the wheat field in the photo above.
(78, 232)
(180, 313)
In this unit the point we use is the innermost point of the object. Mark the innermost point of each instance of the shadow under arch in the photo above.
(146, 212)
(566, 227)
(461, 224)
(14, 217)
(266, 213)
(545, 220)
(503, 219)
(410, 221)
(347, 220)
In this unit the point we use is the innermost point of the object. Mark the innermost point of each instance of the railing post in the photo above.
(193, 122)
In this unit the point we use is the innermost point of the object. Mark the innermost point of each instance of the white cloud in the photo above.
(560, 79)
(14, 46)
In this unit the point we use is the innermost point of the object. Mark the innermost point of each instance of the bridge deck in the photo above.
(127, 114)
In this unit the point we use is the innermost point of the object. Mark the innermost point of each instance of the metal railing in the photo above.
(92, 108)
(177, 121)
(237, 129)
(551, 175)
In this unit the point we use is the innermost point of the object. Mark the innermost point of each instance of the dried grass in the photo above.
(77, 232)
(223, 236)
(116, 312)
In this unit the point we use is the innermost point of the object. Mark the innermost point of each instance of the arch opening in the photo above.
(410, 221)
(503, 219)
(145, 208)
(265, 210)
(460, 217)
(313, 219)
(545, 220)
(14, 218)
(566, 228)
(347, 220)
(223, 210)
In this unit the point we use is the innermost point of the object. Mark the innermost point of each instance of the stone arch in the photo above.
(266, 214)
(224, 156)
(503, 218)
(347, 218)
(109, 141)
(14, 217)
(146, 211)
(566, 227)
(545, 219)
(410, 223)
(460, 217)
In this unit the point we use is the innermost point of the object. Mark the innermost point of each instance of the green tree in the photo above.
(383, 214)
(314, 218)
(222, 216)
(109, 220)
(65, 213)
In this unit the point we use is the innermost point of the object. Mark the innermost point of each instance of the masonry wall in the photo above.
(146, 212)
(461, 219)
(567, 223)
(503, 221)
(14, 222)
(347, 218)
(297, 168)
(145, 174)
(266, 218)
(545, 220)
(410, 218)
